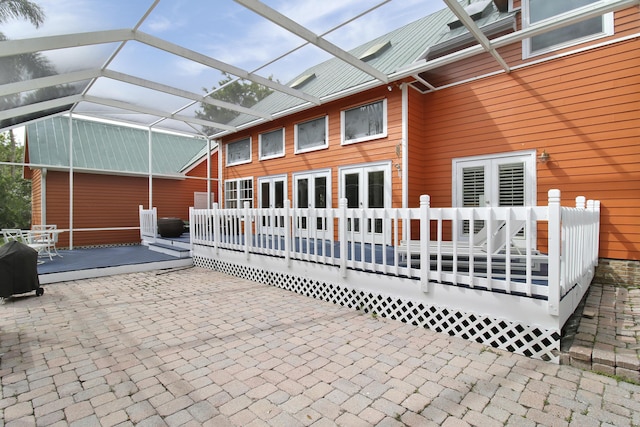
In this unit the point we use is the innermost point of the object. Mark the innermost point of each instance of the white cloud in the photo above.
(159, 24)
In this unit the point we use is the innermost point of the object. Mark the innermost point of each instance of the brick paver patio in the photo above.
(196, 347)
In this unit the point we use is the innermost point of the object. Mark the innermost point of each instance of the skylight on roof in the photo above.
(475, 10)
(375, 51)
(302, 80)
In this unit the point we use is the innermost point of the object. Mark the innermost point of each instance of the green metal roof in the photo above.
(408, 43)
(107, 147)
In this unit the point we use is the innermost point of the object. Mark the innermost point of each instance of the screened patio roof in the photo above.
(154, 63)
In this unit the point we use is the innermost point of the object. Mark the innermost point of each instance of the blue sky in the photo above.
(221, 29)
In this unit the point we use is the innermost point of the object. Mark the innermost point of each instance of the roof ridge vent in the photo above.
(475, 10)
(375, 51)
(302, 80)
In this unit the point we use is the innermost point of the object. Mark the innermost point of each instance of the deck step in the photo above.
(173, 250)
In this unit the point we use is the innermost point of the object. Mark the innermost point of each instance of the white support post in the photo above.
(342, 235)
(71, 190)
(247, 228)
(425, 236)
(580, 202)
(554, 242)
(216, 237)
(141, 220)
(192, 226)
(287, 232)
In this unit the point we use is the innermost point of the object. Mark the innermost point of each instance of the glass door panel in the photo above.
(367, 187)
(272, 195)
(312, 193)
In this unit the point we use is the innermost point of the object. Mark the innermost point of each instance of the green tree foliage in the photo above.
(240, 92)
(15, 192)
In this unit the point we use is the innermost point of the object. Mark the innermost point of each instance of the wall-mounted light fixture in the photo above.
(543, 157)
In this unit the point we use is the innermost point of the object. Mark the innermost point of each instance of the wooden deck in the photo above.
(88, 263)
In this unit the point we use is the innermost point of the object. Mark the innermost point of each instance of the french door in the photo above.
(312, 190)
(272, 194)
(506, 180)
(367, 187)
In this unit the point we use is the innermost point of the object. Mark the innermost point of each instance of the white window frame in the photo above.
(343, 124)
(607, 30)
(238, 192)
(363, 169)
(317, 147)
(271, 156)
(242, 161)
(528, 157)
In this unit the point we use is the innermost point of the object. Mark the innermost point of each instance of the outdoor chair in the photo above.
(12, 234)
(52, 230)
(479, 246)
(38, 240)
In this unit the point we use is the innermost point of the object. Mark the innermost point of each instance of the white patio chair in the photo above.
(479, 242)
(52, 229)
(41, 241)
(10, 234)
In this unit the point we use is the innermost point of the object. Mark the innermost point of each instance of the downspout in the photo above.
(70, 182)
(405, 145)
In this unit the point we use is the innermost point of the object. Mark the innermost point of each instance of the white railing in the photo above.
(579, 245)
(148, 223)
(422, 243)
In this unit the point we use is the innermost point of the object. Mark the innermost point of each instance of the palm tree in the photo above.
(11, 67)
(21, 9)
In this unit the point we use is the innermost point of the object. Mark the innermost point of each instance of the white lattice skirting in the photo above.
(514, 337)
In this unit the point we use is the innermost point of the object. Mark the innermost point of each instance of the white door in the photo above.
(507, 180)
(272, 192)
(367, 187)
(312, 191)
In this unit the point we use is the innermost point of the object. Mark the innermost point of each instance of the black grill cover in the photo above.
(18, 269)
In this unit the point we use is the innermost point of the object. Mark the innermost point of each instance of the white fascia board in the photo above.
(42, 82)
(39, 106)
(563, 20)
(39, 44)
(305, 34)
(181, 93)
(219, 65)
(154, 112)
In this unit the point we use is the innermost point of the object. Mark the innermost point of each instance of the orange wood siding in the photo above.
(626, 23)
(583, 109)
(103, 201)
(336, 155)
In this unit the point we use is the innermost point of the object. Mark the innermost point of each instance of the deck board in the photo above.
(85, 263)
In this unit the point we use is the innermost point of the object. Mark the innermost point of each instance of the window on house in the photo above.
(365, 122)
(239, 152)
(271, 144)
(311, 135)
(536, 11)
(238, 191)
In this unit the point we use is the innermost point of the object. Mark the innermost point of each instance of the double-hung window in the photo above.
(239, 152)
(312, 135)
(540, 11)
(238, 191)
(271, 144)
(365, 122)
